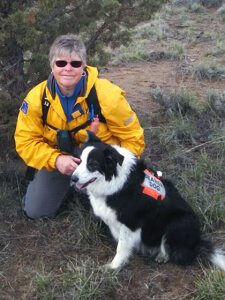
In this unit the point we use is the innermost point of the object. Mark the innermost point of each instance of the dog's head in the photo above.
(99, 162)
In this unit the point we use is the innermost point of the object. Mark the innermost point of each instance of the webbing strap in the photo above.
(93, 105)
(82, 126)
(45, 107)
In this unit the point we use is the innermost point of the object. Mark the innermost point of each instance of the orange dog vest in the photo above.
(153, 186)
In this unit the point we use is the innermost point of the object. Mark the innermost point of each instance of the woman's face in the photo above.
(67, 76)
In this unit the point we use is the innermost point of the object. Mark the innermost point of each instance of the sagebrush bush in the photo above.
(196, 7)
(221, 10)
(175, 51)
(216, 102)
(212, 3)
(217, 49)
(181, 102)
(209, 72)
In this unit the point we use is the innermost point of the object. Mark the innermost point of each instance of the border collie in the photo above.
(142, 212)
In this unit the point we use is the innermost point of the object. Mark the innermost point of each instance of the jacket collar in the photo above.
(51, 85)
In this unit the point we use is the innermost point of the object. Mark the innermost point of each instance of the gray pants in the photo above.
(45, 194)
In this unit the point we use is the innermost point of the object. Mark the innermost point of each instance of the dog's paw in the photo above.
(111, 266)
(162, 258)
(107, 266)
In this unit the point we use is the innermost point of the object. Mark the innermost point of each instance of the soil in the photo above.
(29, 247)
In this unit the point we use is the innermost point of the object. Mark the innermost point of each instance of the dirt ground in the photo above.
(32, 245)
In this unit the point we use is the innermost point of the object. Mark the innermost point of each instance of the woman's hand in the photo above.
(66, 164)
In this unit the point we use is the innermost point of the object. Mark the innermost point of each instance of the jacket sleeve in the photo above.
(29, 139)
(121, 119)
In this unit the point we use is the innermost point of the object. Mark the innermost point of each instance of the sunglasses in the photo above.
(73, 63)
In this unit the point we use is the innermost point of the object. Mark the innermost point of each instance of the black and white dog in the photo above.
(143, 213)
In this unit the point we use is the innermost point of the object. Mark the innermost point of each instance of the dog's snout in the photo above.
(74, 178)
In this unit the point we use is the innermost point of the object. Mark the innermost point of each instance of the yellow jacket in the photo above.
(37, 144)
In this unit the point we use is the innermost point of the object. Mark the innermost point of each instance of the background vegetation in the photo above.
(62, 258)
(28, 28)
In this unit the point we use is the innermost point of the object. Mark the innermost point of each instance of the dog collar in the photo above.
(153, 187)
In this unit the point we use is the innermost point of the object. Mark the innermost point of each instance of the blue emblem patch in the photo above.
(24, 107)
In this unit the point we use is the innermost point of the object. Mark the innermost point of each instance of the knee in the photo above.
(34, 214)
(29, 215)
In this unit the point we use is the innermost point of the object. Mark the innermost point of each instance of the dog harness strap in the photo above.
(153, 187)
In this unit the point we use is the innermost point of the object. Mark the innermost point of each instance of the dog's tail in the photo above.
(218, 259)
(208, 253)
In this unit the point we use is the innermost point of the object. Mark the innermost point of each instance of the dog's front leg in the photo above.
(127, 242)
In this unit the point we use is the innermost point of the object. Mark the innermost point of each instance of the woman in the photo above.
(38, 141)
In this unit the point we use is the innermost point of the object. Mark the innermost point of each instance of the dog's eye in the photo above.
(92, 165)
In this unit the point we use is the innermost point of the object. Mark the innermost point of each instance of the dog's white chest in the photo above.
(102, 210)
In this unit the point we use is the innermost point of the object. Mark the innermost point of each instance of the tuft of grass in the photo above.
(209, 72)
(156, 30)
(218, 50)
(181, 102)
(211, 286)
(136, 51)
(79, 279)
(43, 286)
(197, 7)
(216, 102)
(221, 12)
(175, 51)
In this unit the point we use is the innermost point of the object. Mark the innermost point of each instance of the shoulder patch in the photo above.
(153, 187)
(24, 107)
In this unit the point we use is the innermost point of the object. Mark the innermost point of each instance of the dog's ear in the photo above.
(112, 158)
(92, 138)
(112, 155)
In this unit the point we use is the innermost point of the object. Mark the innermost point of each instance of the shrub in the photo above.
(179, 103)
(216, 102)
(209, 72)
(175, 51)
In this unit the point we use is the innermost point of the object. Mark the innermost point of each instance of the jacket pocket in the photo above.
(50, 136)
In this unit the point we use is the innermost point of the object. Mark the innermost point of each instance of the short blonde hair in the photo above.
(68, 44)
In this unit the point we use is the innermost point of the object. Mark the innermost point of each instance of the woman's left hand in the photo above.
(66, 164)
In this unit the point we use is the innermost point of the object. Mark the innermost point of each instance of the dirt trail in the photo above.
(138, 78)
